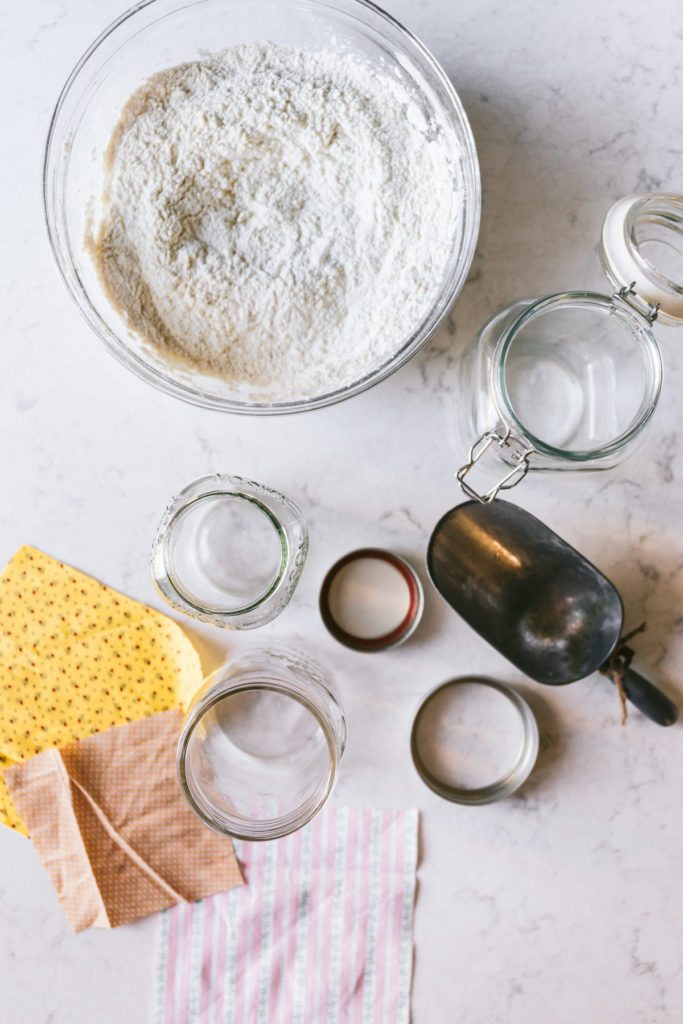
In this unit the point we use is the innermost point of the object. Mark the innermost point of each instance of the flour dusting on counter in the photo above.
(275, 216)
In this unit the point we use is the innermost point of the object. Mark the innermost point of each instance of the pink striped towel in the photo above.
(319, 934)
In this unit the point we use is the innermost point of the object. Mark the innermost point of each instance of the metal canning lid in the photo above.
(371, 600)
(474, 740)
(642, 252)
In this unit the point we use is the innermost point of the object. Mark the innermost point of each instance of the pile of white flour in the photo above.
(277, 217)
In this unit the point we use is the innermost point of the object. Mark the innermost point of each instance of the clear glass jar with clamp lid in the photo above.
(570, 381)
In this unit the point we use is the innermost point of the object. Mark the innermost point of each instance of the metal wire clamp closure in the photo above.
(628, 290)
(511, 448)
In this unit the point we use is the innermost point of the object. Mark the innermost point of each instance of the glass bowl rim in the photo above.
(54, 218)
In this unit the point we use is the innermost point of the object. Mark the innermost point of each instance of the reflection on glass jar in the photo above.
(261, 744)
(229, 551)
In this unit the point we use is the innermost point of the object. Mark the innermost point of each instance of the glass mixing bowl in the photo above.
(161, 33)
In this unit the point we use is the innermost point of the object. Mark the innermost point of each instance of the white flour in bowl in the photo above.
(277, 217)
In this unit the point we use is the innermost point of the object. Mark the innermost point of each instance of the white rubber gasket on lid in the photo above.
(627, 265)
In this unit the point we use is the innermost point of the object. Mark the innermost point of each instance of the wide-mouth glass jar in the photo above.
(570, 381)
(158, 34)
(229, 551)
(261, 744)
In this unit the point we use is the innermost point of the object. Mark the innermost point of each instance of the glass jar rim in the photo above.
(293, 538)
(55, 165)
(637, 327)
(272, 828)
(183, 594)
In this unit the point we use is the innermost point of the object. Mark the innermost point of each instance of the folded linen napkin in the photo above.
(319, 934)
(77, 657)
(113, 829)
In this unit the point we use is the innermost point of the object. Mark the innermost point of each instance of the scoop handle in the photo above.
(648, 699)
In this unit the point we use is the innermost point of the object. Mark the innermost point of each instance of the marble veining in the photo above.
(563, 903)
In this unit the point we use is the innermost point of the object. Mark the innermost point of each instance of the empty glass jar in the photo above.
(261, 744)
(570, 381)
(229, 551)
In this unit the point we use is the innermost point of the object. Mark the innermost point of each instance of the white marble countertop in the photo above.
(563, 903)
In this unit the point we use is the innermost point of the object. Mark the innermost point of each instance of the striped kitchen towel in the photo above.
(319, 934)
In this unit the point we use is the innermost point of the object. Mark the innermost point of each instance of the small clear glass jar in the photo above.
(261, 744)
(571, 381)
(229, 551)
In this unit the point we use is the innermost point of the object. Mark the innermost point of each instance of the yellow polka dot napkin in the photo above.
(113, 829)
(77, 658)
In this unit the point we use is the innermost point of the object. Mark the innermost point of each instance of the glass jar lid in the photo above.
(642, 252)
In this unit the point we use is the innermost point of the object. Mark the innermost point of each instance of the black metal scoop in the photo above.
(533, 597)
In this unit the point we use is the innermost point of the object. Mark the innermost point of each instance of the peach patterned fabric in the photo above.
(113, 829)
(77, 658)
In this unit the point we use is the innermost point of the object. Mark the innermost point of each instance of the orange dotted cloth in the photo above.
(113, 829)
(77, 658)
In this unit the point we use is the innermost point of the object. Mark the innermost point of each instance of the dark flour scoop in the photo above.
(534, 598)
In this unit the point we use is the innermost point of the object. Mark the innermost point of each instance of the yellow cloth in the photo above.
(77, 658)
